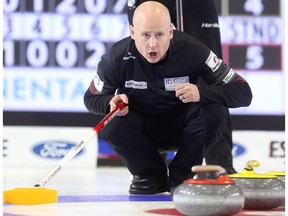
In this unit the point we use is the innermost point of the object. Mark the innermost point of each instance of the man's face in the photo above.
(152, 37)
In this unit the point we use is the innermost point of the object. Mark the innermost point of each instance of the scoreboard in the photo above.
(252, 37)
(65, 34)
(51, 49)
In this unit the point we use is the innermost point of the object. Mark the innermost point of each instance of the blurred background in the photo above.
(51, 49)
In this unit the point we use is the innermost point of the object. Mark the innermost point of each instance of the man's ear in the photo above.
(171, 31)
(132, 33)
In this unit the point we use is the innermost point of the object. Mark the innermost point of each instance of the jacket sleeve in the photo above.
(232, 95)
(97, 104)
(223, 85)
(102, 88)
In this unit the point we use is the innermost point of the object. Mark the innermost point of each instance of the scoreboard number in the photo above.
(66, 54)
(37, 53)
(98, 49)
(66, 6)
(255, 7)
(8, 53)
(10, 6)
(254, 57)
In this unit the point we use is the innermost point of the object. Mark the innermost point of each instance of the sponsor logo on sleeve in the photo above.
(136, 84)
(98, 83)
(213, 61)
(228, 76)
(171, 83)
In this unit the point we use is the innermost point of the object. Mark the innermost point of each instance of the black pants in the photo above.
(191, 129)
(221, 153)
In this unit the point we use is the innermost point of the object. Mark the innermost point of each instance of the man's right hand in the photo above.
(117, 99)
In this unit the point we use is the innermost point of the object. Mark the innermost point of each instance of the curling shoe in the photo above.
(148, 185)
(230, 170)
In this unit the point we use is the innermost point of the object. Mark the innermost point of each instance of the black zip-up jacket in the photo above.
(151, 87)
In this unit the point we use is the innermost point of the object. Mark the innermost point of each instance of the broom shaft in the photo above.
(80, 145)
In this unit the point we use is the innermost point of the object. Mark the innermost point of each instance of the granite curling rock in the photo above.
(261, 191)
(280, 175)
(212, 194)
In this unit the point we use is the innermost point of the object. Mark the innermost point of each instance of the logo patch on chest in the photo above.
(136, 84)
(171, 83)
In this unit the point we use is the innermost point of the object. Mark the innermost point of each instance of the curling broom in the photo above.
(40, 195)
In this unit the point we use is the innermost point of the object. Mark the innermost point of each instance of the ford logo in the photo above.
(238, 150)
(54, 149)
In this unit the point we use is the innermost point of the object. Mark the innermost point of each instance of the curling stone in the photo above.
(261, 191)
(280, 174)
(212, 195)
